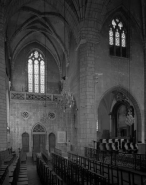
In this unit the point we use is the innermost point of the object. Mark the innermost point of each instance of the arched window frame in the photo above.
(118, 38)
(37, 85)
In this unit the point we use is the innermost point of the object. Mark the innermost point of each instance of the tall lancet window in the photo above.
(117, 38)
(36, 73)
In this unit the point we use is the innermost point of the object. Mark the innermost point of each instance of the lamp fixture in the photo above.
(8, 129)
(67, 100)
(129, 118)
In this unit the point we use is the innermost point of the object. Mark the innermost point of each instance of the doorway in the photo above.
(52, 142)
(39, 138)
(38, 142)
(25, 142)
(120, 128)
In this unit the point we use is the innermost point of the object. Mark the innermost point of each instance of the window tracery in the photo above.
(36, 73)
(117, 38)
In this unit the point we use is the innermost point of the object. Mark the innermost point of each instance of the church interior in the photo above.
(72, 75)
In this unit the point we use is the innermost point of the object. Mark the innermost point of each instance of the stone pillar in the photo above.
(87, 118)
(144, 91)
(3, 112)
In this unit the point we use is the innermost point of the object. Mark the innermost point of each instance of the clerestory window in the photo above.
(117, 38)
(36, 73)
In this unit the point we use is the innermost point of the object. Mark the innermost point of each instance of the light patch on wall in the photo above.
(97, 126)
(43, 118)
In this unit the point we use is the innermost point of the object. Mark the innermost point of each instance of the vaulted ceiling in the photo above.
(48, 23)
(44, 21)
(42, 25)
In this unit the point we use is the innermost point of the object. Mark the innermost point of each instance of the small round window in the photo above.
(25, 115)
(51, 115)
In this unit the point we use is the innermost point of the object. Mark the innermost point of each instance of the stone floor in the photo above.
(33, 178)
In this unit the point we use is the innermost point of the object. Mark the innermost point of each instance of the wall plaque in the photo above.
(61, 137)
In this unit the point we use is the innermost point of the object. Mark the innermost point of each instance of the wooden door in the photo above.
(52, 142)
(38, 142)
(42, 142)
(25, 142)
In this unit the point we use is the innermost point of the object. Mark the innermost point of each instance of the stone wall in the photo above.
(37, 113)
(3, 112)
(91, 72)
(99, 72)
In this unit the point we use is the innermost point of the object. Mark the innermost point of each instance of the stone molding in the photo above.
(34, 96)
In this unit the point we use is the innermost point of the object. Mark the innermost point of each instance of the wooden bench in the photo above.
(14, 171)
(22, 177)
(114, 174)
(23, 157)
(3, 173)
(47, 175)
(9, 159)
(73, 173)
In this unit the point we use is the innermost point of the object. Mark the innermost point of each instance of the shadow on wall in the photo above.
(105, 134)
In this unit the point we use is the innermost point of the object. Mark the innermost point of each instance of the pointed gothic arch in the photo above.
(25, 142)
(39, 138)
(38, 128)
(109, 106)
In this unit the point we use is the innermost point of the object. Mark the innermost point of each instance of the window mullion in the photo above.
(120, 32)
(39, 79)
(33, 78)
(114, 42)
(37, 73)
(119, 38)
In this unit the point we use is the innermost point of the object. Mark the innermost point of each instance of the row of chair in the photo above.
(14, 171)
(114, 174)
(6, 156)
(9, 159)
(135, 161)
(23, 157)
(73, 173)
(18, 172)
(46, 174)
(3, 173)
(22, 177)
(124, 145)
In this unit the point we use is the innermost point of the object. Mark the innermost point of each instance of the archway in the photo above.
(121, 126)
(25, 142)
(39, 138)
(52, 142)
(113, 109)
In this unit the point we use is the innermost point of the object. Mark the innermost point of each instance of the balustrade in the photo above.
(135, 161)
(34, 96)
(114, 174)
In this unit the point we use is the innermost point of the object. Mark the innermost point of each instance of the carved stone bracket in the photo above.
(119, 96)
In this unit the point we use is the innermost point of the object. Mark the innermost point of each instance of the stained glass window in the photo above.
(111, 39)
(36, 73)
(117, 38)
(123, 39)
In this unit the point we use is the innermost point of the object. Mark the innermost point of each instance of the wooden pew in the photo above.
(14, 171)
(22, 177)
(18, 173)
(3, 173)
(47, 175)
(114, 174)
(23, 157)
(73, 173)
